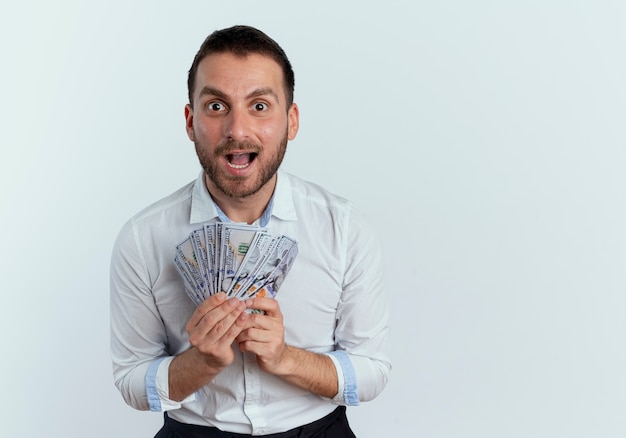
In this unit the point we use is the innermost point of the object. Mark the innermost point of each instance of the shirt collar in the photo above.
(202, 205)
(282, 206)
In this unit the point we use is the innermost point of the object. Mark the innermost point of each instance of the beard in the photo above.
(241, 186)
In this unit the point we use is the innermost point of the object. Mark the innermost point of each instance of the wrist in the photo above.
(207, 365)
(287, 364)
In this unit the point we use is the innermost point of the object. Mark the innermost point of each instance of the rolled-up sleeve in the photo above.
(137, 332)
(362, 316)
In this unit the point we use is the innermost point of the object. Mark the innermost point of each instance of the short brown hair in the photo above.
(243, 41)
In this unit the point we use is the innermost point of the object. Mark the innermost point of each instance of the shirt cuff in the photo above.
(348, 393)
(157, 387)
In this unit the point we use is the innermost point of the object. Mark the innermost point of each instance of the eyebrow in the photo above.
(263, 91)
(210, 91)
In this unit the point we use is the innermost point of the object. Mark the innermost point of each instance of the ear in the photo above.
(293, 121)
(189, 122)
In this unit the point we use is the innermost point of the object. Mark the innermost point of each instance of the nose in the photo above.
(236, 126)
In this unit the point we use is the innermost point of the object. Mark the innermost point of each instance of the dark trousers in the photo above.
(334, 425)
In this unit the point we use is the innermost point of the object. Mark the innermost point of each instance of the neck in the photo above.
(247, 209)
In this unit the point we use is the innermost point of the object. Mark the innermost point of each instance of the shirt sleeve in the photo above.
(137, 331)
(362, 316)
(347, 389)
(157, 387)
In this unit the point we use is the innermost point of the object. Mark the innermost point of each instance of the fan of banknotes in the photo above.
(241, 260)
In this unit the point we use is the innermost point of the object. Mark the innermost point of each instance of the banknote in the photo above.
(189, 260)
(241, 260)
(198, 241)
(276, 265)
(236, 240)
(209, 235)
(243, 277)
(195, 292)
(217, 274)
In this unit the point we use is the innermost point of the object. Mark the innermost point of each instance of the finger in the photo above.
(216, 345)
(234, 332)
(221, 317)
(206, 306)
(262, 328)
(227, 330)
(216, 320)
(219, 327)
(251, 342)
(257, 335)
(269, 305)
(263, 348)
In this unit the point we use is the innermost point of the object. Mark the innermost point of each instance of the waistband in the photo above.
(308, 430)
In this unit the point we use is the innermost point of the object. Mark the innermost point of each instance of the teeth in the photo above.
(240, 160)
(237, 166)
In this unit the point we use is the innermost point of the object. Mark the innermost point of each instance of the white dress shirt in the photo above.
(332, 302)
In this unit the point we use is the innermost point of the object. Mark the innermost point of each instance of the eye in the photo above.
(260, 106)
(216, 106)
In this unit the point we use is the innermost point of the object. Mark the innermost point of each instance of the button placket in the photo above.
(252, 383)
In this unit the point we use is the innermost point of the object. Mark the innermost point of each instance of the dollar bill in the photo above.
(198, 241)
(242, 260)
(188, 258)
(192, 288)
(209, 235)
(276, 278)
(271, 269)
(236, 240)
(253, 257)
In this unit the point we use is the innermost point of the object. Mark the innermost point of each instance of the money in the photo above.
(243, 261)
(261, 245)
(268, 268)
(236, 241)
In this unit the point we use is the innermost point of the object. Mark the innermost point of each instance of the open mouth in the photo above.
(240, 161)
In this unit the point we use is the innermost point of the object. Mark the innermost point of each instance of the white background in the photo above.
(485, 139)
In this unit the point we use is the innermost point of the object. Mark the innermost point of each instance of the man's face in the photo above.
(240, 122)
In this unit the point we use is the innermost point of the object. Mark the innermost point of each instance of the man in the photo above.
(216, 369)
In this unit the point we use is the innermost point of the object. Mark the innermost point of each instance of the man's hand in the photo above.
(265, 336)
(213, 327)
